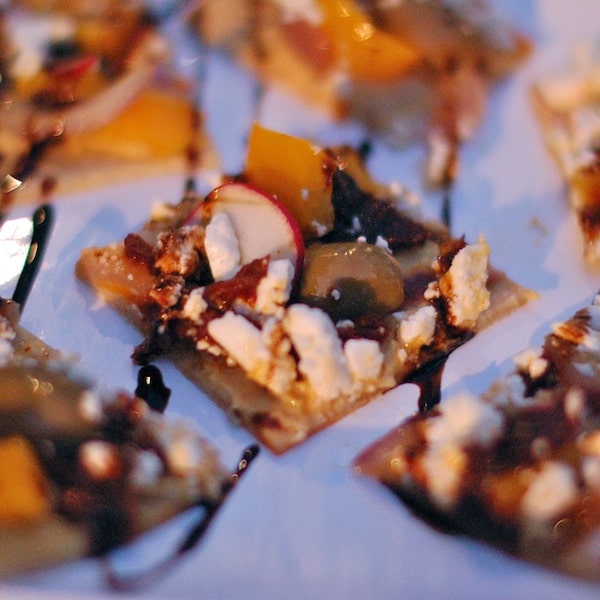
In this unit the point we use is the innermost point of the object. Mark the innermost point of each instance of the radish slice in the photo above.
(262, 224)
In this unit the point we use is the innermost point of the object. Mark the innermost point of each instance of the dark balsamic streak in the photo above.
(428, 379)
(447, 206)
(193, 537)
(42, 220)
(152, 389)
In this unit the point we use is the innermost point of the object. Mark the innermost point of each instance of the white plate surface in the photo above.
(303, 525)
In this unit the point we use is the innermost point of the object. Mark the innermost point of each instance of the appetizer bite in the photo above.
(83, 469)
(519, 465)
(300, 289)
(91, 95)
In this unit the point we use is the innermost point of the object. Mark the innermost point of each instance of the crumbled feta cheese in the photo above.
(465, 419)
(274, 288)
(417, 328)
(464, 284)
(195, 305)
(550, 493)
(184, 454)
(222, 247)
(91, 407)
(432, 292)
(319, 348)
(243, 342)
(6, 351)
(444, 467)
(183, 449)
(282, 372)
(364, 359)
(530, 362)
(7, 335)
(575, 406)
(99, 458)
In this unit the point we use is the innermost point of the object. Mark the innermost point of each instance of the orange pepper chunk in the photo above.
(155, 125)
(23, 487)
(297, 173)
(367, 52)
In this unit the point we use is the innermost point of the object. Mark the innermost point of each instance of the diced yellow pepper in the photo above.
(23, 487)
(367, 52)
(297, 173)
(155, 125)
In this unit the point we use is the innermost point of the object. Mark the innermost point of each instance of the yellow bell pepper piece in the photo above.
(297, 173)
(23, 487)
(365, 51)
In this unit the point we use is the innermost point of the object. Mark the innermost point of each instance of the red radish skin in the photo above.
(264, 226)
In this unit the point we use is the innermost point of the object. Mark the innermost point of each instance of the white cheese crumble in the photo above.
(575, 405)
(273, 290)
(530, 362)
(222, 247)
(417, 328)
(444, 467)
(464, 285)
(99, 458)
(550, 493)
(465, 419)
(7, 335)
(195, 305)
(91, 407)
(184, 450)
(319, 348)
(242, 341)
(364, 359)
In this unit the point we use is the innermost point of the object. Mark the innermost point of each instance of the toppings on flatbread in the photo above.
(289, 333)
(517, 466)
(85, 470)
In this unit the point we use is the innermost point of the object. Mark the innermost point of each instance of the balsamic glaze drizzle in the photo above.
(42, 220)
(193, 537)
(151, 388)
(428, 379)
